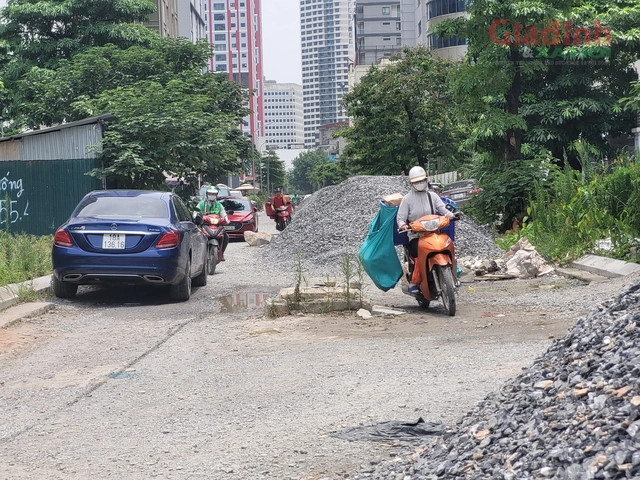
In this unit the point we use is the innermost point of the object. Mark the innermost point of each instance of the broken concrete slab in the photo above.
(607, 267)
(22, 311)
(380, 310)
(256, 239)
(582, 275)
(319, 299)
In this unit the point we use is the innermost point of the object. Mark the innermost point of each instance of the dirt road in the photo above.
(123, 384)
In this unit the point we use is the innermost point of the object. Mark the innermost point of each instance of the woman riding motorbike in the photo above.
(420, 201)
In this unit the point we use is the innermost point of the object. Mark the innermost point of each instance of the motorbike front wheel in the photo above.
(448, 293)
(213, 259)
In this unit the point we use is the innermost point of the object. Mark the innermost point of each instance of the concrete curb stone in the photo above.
(12, 312)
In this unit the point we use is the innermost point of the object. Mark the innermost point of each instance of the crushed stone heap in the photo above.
(335, 220)
(574, 414)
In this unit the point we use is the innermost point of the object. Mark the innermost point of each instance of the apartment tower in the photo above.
(234, 30)
(417, 18)
(378, 30)
(283, 115)
(328, 49)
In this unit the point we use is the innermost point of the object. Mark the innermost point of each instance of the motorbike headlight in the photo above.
(431, 225)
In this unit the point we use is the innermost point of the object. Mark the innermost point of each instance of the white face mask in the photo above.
(420, 186)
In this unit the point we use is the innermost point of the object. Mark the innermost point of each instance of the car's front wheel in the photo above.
(182, 291)
(63, 289)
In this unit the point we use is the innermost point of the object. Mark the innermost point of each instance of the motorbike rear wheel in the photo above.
(213, 259)
(448, 293)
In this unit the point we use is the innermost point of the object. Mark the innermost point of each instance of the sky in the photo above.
(281, 40)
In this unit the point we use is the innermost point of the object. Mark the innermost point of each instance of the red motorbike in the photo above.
(436, 257)
(213, 228)
(281, 215)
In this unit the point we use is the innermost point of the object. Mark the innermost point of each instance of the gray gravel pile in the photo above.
(335, 220)
(574, 414)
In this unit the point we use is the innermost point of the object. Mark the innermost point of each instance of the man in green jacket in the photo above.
(211, 206)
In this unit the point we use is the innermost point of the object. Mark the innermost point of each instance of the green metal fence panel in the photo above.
(37, 196)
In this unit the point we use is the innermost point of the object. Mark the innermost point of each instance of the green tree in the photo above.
(52, 96)
(402, 117)
(326, 174)
(170, 117)
(523, 101)
(303, 168)
(40, 33)
(271, 171)
(43, 33)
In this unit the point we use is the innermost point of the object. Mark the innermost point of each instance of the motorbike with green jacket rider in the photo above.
(211, 206)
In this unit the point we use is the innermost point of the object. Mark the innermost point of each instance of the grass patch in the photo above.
(24, 257)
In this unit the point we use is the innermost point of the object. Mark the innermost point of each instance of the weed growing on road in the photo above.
(299, 278)
(360, 277)
(348, 274)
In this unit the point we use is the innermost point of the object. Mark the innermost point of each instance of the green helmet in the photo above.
(212, 194)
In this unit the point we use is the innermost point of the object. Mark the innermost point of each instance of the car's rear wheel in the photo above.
(63, 289)
(201, 279)
(213, 259)
(182, 291)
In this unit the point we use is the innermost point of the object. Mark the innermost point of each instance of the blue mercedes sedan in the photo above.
(129, 237)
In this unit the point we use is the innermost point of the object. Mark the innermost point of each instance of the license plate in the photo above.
(229, 227)
(457, 195)
(115, 241)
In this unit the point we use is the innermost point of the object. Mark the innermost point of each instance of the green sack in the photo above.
(378, 253)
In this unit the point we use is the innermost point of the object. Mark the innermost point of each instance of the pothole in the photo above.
(242, 301)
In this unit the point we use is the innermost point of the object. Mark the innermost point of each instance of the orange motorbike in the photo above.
(436, 257)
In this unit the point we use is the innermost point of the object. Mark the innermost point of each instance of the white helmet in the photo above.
(417, 174)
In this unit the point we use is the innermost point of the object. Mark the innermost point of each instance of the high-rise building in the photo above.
(234, 30)
(283, 115)
(165, 19)
(418, 18)
(191, 20)
(328, 49)
(378, 30)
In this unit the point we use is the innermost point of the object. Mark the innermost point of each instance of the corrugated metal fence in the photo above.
(37, 196)
(43, 174)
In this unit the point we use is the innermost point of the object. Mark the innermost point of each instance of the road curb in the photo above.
(607, 267)
(11, 311)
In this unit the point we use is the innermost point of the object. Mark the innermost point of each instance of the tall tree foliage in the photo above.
(42, 33)
(401, 117)
(170, 118)
(530, 85)
(304, 165)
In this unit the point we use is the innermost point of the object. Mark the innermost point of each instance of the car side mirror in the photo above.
(197, 218)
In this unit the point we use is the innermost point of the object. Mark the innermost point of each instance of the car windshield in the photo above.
(123, 207)
(222, 191)
(236, 205)
(460, 184)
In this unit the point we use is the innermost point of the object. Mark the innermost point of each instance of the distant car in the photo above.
(461, 191)
(242, 214)
(129, 237)
(235, 193)
(223, 191)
